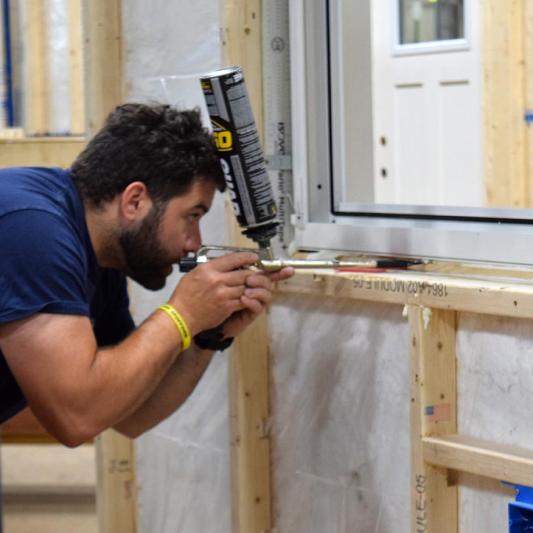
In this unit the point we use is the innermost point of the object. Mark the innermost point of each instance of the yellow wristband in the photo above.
(180, 324)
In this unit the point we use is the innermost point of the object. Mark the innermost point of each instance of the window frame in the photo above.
(496, 236)
(431, 47)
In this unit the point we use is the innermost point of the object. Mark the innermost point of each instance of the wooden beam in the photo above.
(250, 438)
(102, 28)
(504, 63)
(502, 297)
(45, 151)
(480, 457)
(249, 363)
(434, 500)
(116, 492)
(36, 120)
(77, 97)
(242, 46)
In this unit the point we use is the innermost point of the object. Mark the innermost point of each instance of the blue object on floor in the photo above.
(521, 511)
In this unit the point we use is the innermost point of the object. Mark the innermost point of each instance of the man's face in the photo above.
(167, 233)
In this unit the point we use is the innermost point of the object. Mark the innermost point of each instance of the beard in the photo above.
(145, 258)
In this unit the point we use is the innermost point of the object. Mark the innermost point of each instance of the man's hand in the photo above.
(214, 291)
(257, 296)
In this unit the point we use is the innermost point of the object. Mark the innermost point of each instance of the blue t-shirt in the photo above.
(48, 265)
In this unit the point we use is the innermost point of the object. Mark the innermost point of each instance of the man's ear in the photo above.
(135, 202)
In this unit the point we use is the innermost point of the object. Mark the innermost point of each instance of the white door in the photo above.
(427, 102)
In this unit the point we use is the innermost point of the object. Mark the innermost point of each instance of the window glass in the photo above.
(423, 21)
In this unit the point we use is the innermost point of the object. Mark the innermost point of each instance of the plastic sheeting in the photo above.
(340, 416)
(164, 39)
(340, 413)
(340, 419)
(58, 59)
(183, 463)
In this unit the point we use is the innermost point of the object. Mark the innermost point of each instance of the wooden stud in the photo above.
(483, 458)
(36, 83)
(434, 501)
(116, 492)
(102, 28)
(77, 98)
(250, 439)
(242, 46)
(504, 82)
(249, 363)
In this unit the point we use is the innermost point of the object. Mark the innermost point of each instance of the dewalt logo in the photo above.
(223, 137)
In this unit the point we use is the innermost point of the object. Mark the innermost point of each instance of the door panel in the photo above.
(426, 101)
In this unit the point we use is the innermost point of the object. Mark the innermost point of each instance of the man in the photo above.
(130, 205)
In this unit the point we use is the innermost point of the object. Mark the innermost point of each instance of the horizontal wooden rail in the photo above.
(40, 151)
(480, 457)
(486, 294)
(51, 490)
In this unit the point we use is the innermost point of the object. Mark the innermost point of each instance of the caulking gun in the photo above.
(242, 161)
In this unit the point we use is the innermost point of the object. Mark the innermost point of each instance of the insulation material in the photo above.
(341, 431)
(340, 409)
(495, 389)
(58, 60)
(183, 463)
(165, 40)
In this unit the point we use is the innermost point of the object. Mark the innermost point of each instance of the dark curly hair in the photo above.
(164, 148)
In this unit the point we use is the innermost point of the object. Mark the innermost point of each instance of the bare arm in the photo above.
(187, 370)
(77, 390)
(178, 383)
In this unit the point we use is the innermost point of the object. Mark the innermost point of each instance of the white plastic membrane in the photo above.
(165, 39)
(341, 434)
(58, 59)
(495, 388)
(340, 387)
(182, 464)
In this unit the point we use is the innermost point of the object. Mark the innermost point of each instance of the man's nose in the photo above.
(194, 240)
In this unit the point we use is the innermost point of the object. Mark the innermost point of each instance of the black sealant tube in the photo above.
(240, 153)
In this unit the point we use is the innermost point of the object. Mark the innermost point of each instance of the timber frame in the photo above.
(437, 451)
(433, 299)
(116, 496)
